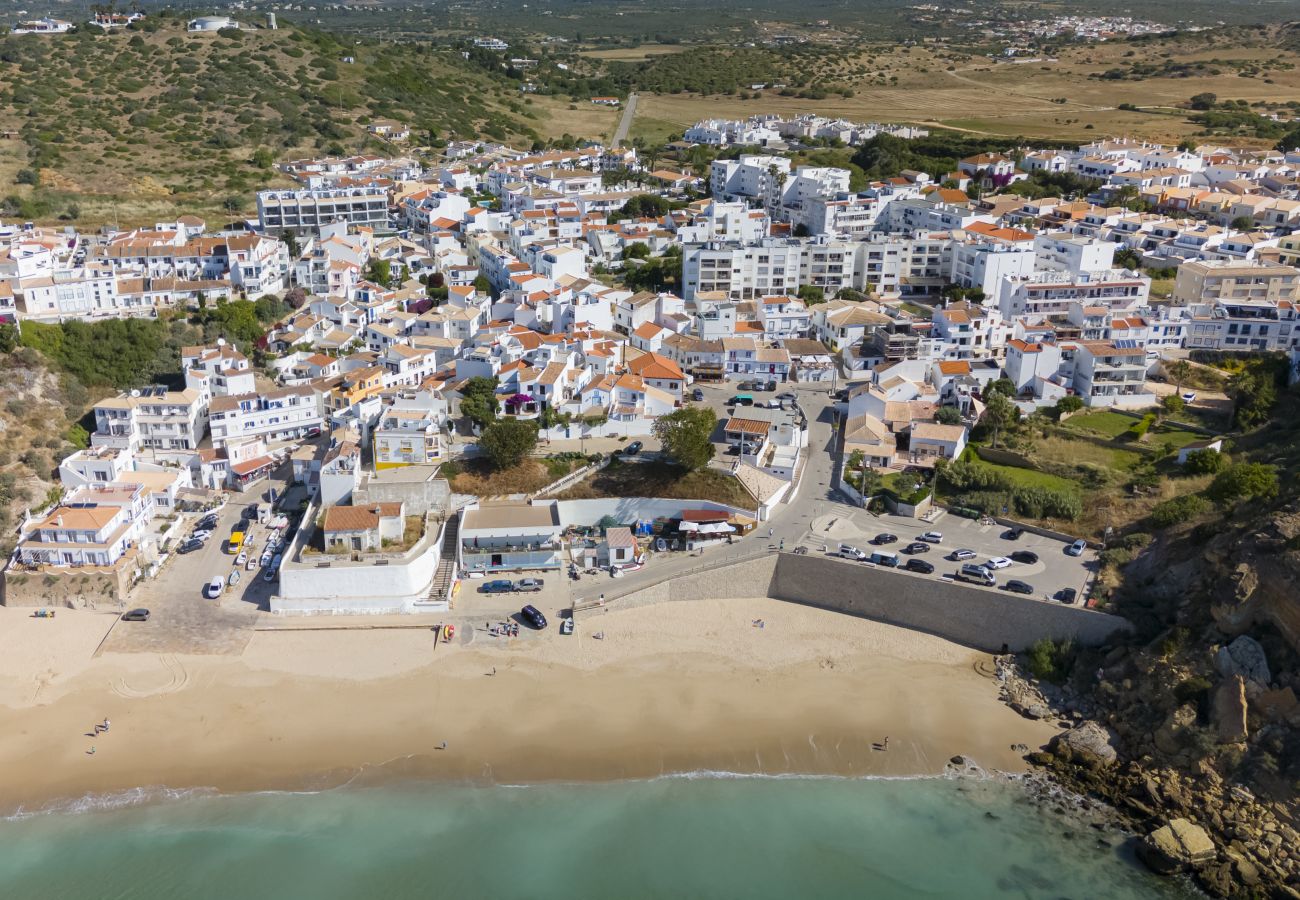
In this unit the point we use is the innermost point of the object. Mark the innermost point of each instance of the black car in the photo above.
(1025, 556)
(1066, 595)
(919, 565)
(632, 449)
(533, 616)
(770, 386)
(190, 546)
(136, 615)
(885, 538)
(697, 395)
(207, 523)
(1018, 587)
(888, 560)
(1012, 534)
(917, 547)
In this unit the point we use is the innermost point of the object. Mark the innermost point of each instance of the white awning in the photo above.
(716, 528)
(688, 526)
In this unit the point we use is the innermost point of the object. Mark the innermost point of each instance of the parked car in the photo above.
(1189, 396)
(533, 616)
(770, 386)
(932, 537)
(190, 546)
(1012, 534)
(1066, 595)
(214, 588)
(499, 586)
(976, 575)
(850, 552)
(1029, 557)
(786, 396)
(919, 565)
(201, 535)
(1077, 548)
(529, 585)
(697, 395)
(997, 562)
(885, 538)
(751, 386)
(962, 554)
(1018, 587)
(916, 547)
(136, 615)
(632, 449)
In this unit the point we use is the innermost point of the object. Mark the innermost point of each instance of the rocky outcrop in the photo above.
(1171, 736)
(1089, 742)
(1176, 847)
(1230, 711)
(1258, 576)
(1246, 658)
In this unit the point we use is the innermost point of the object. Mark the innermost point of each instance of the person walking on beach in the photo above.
(106, 723)
(886, 742)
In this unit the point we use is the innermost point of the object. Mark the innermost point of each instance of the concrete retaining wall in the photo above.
(979, 618)
(982, 619)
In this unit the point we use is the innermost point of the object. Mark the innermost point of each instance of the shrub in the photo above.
(1205, 462)
(1138, 429)
(1243, 481)
(1051, 661)
(1179, 510)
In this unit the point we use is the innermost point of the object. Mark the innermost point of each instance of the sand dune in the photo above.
(671, 688)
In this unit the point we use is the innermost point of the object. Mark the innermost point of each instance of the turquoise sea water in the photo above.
(702, 837)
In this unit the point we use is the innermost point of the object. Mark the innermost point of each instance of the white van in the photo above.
(976, 575)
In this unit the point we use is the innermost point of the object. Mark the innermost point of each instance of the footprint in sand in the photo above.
(169, 678)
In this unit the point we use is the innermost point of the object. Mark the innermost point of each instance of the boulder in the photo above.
(1244, 657)
(1176, 847)
(1230, 710)
(1168, 738)
(1090, 741)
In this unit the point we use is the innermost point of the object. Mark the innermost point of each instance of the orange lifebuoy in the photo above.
(449, 632)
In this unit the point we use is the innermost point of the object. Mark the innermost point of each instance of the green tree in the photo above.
(482, 285)
(380, 271)
(506, 442)
(685, 435)
(1004, 386)
(1253, 395)
(8, 337)
(999, 413)
(1180, 370)
(1243, 481)
(479, 400)
(1242, 223)
(1172, 404)
(947, 415)
(1068, 404)
(637, 250)
(1203, 101)
(811, 294)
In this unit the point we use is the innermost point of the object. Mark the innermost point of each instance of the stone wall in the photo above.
(71, 588)
(982, 619)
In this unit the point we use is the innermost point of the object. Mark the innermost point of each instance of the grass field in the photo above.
(634, 54)
(1032, 478)
(1105, 422)
(1051, 98)
(1066, 452)
(579, 118)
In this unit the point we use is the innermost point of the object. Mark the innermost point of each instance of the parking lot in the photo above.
(1054, 571)
(181, 618)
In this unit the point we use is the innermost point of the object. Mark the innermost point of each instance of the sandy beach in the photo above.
(672, 688)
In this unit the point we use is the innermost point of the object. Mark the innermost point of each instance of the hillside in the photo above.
(136, 125)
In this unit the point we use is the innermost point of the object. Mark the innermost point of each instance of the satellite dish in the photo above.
(221, 342)
(135, 393)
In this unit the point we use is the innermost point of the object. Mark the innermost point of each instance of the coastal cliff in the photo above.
(1191, 728)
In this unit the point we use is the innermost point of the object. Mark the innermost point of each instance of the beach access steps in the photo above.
(445, 575)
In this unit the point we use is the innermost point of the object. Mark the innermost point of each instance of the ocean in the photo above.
(681, 837)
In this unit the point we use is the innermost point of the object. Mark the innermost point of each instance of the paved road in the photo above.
(181, 619)
(624, 123)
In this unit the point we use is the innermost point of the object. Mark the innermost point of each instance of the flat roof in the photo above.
(512, 515)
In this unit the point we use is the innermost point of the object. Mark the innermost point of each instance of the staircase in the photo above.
(440, 588)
